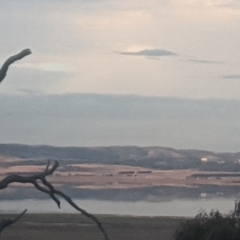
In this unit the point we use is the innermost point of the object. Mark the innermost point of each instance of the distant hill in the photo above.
(151, 157)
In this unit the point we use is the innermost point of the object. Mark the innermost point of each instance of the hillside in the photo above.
(150, 157)
(124, 173)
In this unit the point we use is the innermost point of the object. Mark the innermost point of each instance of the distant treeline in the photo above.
(214, 175)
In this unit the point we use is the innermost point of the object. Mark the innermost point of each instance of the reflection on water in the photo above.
(186, 208)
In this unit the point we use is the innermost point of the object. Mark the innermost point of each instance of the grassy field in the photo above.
(73, 226)
(106, 176)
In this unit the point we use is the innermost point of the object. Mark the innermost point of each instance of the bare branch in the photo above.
(45, 186)
(84, 212)
(48, 188)
(12, 59)
(28, 179)
(4, 183)
(9, 221)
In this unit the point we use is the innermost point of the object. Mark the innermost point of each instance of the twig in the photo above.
(84, 212)
(12, 59)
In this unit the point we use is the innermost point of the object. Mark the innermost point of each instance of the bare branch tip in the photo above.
(27, 51)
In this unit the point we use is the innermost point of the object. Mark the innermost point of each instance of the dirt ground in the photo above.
(73, 226)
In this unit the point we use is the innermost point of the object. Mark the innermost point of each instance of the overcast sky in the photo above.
(172, 51)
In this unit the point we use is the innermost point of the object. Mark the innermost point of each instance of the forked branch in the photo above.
(13, 178)
(40, 182)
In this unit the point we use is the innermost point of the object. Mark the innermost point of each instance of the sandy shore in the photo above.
(74, 226)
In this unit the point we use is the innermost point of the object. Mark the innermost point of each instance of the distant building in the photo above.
(203, 195)
(204, 159)
(211, 159)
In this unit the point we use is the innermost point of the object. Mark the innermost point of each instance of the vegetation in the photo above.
(212, 226)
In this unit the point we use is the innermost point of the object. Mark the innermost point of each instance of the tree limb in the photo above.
(83, 212)
(9, 221)
(46, 187)
(12, 59)
(28, 179)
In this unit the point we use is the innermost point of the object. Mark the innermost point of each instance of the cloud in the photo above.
(234, 76)
(208, 3)
(233, 4)
(48, 66)
(29, 91)
(94, 120)
(149, 53)
(109, 107)
(32, 79)
(85, 36)
(203, 61)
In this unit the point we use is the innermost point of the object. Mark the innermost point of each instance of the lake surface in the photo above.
(181, 208)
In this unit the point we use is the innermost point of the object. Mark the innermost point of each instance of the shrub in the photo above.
(212, 226)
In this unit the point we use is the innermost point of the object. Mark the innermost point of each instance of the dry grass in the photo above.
(67, 226)
(100, 176)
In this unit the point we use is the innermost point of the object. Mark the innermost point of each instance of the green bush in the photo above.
(212, 226)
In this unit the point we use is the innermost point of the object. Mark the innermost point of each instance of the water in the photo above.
(181, 208)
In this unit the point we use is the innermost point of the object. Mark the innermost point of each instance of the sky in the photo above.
(129, 72)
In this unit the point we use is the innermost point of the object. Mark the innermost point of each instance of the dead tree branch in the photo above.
(40, 182)
(84, 212)
(9, 221)
(12, 59)
(28, 179)
(3, 72)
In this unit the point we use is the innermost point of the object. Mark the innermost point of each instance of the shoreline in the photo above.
(174, 208)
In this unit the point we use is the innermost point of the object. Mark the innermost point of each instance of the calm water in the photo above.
(169, 208)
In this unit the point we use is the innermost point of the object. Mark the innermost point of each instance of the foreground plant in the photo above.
(212, 226)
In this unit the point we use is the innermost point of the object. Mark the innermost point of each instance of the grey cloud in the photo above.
(150, 53)
(31, 79)
(29, 91)
(97, 120)
(234, 76)
(203, 61)
(119, 107)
